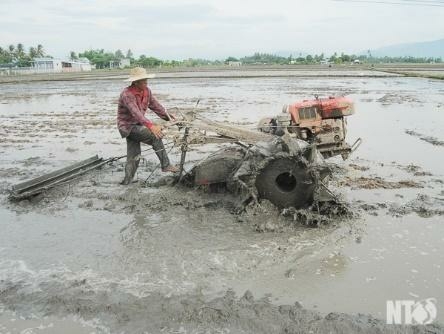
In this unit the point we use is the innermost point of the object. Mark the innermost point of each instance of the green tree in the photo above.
(345, 58)
(100, 58)
(40, 51)
(32, 52)
(24, 61)
(319, 58)
(20, 50)
(129, 54)
(119, 54)
(145, 61)
(264, 58)
(5, 56)
(73, 55)
(230, 59)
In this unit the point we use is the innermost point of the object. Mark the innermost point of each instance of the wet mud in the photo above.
(92, 255)
(428, 139)
(377, 183)
(193, 313)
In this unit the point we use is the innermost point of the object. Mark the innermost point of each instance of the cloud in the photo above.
(213, 28)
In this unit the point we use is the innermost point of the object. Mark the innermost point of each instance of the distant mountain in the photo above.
(433, 49)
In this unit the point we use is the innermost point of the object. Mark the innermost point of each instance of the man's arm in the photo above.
(155, 106)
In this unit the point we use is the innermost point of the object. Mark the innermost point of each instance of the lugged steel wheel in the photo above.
(286, 183)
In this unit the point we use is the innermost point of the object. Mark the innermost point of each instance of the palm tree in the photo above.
(11, 48)
(129, 54)
(3, 55)
(20, 50)
(119, 54)
(32, 52)
(40, 51)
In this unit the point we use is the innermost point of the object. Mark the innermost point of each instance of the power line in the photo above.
(399, 2)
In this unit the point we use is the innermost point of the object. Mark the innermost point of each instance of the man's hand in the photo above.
(157, 131)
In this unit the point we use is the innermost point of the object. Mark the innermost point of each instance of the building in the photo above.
(55, 65)
(234, 63)
(120, 63)
(48, 65)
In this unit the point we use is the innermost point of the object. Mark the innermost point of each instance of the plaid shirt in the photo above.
(132, 108)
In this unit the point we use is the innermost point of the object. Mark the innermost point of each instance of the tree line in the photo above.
(18, 55)
(270, 59)
(102, 59)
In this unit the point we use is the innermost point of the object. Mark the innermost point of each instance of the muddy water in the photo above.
(94, 254)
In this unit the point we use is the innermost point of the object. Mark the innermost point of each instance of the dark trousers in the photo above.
(140, 134)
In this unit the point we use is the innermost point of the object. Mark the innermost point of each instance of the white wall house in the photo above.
(234, 63)
(50, 65)
(47, 65)
(121, 63)
(54, 65)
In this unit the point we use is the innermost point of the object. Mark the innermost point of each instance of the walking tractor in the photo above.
(283, 162)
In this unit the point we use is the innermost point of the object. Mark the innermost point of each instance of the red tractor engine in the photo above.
(321, 121)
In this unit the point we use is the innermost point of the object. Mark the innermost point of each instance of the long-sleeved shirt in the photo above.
(133, 104)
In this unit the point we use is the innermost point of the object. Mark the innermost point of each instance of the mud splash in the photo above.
(263, 216)
(423, 205)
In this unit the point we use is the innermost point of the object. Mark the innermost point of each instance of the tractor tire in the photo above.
(285, 182)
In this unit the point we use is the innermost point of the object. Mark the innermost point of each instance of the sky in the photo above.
(216, 29)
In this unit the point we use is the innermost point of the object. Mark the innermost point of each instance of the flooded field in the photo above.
(95, 256)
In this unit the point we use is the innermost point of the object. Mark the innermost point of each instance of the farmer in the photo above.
(132, 124)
